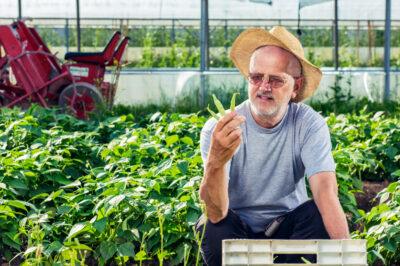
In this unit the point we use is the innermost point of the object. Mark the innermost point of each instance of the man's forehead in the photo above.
(286, 59)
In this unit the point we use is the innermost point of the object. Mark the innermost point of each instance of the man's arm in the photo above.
(225, 139)
(214, 192)
(325, 193)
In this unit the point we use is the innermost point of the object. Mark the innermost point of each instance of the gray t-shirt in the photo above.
(266, 174)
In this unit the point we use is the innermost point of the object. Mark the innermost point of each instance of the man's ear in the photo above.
(298, 84)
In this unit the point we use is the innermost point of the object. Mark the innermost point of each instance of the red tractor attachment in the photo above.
(29, 72)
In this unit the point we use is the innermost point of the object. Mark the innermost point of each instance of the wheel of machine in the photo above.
(2, 101)
(5, 99)
(81, 100)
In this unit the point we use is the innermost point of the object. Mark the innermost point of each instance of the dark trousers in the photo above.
(304, 222)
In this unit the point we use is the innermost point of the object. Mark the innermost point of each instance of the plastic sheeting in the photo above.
(190, 9)
(160, 87)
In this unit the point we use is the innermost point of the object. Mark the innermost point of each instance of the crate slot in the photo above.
(294, 247)
(329, 246)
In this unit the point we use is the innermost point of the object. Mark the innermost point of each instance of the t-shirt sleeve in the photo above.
(316, 149)
(205, 138)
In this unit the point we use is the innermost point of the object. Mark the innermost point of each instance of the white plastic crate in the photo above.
(261, 252)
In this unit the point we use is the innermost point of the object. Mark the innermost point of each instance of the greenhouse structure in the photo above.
(349, 43)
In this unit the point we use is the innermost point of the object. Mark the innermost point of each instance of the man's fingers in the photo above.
(232, 125)
(227, 132)
(236, 142)
(225, 147)
(224, 120)
(234, 136)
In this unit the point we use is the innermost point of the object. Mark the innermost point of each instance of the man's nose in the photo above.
(265, 85)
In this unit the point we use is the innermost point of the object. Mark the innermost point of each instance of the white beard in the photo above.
(269, 113)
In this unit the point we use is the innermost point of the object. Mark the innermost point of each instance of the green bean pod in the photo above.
(212, 113)
(219, 106)
(233, 101)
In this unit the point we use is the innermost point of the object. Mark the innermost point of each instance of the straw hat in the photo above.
(249, 40)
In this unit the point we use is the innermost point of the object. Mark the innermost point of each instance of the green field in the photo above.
(122, 189)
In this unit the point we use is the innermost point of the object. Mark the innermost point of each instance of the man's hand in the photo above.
(324, 188)
(225, 140)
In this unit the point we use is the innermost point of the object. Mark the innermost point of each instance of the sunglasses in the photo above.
(274, 81)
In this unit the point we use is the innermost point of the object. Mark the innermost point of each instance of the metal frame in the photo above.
(387, 51)
(78, 25)
(336, 35)
(204, 50)
(19, 9)
(212, 21)
(204, 36)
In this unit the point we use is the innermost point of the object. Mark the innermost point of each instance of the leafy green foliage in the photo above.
(371, 141)
(355, 106)
(123, 189)
(183, 42)
(382, 226)
(74, 191)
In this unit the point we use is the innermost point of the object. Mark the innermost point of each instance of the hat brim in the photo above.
(248, 41)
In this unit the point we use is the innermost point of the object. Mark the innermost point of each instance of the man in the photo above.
(256, 159)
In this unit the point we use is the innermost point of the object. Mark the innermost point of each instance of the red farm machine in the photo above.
(30, 73)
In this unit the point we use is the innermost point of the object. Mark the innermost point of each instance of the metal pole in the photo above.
(19, 9)
(387, 50)
(204, 36)
(173, 32)
(204, 51)
(66, 31)
(226, 35)
(336, 36)
(78, 25)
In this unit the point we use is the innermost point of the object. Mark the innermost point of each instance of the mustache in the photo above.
(267, 94)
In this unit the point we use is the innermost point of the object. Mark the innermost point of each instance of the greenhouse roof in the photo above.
(190, 9)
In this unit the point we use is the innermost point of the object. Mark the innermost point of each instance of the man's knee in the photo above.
(230, 224)
(312, 225)
(212, 234)
(314, 214)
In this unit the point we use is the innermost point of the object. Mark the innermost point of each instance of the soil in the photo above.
(366, 200)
